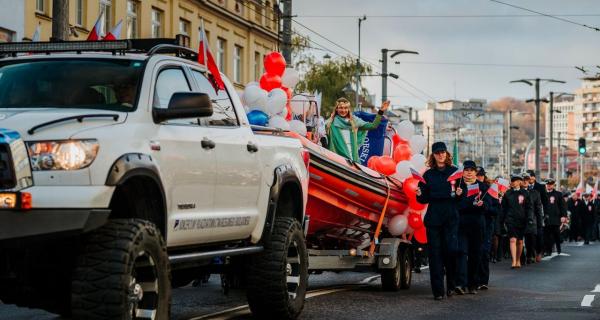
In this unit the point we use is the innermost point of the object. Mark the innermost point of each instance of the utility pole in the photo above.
(551, 134)
(384, 73)
(537, 101)
(286, 45)
(509, 143)
(357, 96)
(60, 20)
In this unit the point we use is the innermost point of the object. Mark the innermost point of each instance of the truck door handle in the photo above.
(207, 144)
(252, 147)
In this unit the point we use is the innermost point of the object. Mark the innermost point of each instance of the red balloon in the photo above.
(270, 82)
(398, 141)
(421, 235)
(387, 165)
(416, 205)
(373, 163)
(410, 187)
(402, 152)
(275, 63)
(415, 221)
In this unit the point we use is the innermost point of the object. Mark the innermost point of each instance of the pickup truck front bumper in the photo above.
(49, 222)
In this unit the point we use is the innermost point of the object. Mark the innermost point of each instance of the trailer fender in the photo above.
(388, 252)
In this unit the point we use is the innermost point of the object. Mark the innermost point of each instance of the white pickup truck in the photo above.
(124, 173)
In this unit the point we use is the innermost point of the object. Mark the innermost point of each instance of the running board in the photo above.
(197, 256)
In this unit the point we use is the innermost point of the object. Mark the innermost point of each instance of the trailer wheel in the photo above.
(278, 276)
(400, 276)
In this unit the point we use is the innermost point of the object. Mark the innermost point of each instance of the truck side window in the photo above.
(168, 82)
(223, 109)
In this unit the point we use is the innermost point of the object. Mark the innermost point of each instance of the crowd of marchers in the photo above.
(473, 221)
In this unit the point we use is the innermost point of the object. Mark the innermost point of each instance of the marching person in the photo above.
(587, 211)
(541, 189)
(531, 232)
(345, 132)
(556, 210)
(471, 209)
(518, 211)
(441, 219)
(491, 213)
(575, 221)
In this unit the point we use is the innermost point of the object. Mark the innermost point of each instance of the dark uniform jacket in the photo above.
(468, 212)
(573, 207)
(541, 189)
(586, 212)
(556, 208)
(437, 192)
(538, 211)
(517, 208)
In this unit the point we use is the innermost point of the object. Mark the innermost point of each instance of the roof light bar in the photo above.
(16, 47)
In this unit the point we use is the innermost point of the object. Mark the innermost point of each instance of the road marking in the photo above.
(597, 289)
(370, 279)
(554, 255)
(587, 300)
(425, 268)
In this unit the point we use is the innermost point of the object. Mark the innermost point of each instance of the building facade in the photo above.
(479, 132)
(566, 121)
(588, 99)
(12, 20)
(240, 32)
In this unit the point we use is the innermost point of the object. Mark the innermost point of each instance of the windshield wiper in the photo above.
(78, 118)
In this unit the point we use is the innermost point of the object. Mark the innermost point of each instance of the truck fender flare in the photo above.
(283, 175)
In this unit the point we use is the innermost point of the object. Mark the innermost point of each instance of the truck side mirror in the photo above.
(184, 105)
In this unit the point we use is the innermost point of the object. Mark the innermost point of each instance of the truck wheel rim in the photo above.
(143, 288)
(292, 270)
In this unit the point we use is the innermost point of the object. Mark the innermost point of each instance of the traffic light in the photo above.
(582, 146)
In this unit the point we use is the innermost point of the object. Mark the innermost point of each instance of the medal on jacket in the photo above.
(589, 208)
(521, 199)
(552, 199)
(453, 192)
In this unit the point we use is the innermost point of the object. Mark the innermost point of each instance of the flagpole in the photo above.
(205, 44)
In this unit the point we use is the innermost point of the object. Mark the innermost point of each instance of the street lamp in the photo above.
(384, 73)
(537, 115)
(360, 20)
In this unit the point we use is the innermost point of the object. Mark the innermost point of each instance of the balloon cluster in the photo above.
(405, 158)
(269, 102)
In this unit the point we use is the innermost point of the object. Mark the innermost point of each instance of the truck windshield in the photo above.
(108, 84)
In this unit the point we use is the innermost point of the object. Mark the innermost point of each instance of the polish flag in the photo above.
(206, 58)
(503, 184)
(493, 191)
(595, 190)
(97, 29)
(115, 33)
(456, 175)
(580, 188)
(472, 189)
(37, 33)
(415, 174)
(588, 189)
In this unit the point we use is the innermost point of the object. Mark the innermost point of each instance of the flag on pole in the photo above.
(415, 174)
(97, 29)
(580, 188)
(456, 175)
(115, 33)
(472, 189)
(206, 58)
(503, 184)
(588, 189)
(37, 33)
(595, 190)
(493, 191)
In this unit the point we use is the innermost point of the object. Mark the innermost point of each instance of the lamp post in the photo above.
(537, 115)
(384, 73)
(360, 20)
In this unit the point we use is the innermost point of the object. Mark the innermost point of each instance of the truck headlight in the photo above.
(62, 154)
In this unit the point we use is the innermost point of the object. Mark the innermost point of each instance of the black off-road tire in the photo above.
(122, 273)
(278, 276)
(399, 277)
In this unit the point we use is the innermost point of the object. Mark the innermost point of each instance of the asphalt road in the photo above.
(558, 288)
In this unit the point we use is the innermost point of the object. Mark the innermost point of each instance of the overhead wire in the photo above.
(460, 16)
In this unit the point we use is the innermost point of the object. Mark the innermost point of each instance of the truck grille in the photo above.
(7, 172)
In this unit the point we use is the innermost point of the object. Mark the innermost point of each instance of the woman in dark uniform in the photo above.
(518, 212)
(441, 219)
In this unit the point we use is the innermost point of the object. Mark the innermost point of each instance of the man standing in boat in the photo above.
(441, 219)
(346, 133)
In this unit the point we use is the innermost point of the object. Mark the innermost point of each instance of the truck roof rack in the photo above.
(149, 46)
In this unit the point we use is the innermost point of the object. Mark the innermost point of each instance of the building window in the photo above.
(40, 6)
(269, 14)
(106, 7)
(257, 64)
(238, 53)
(184, 27)
(259, 13)
(79, 13)
(132, 19)
(239, 7)
(157, 23)
(221, 44)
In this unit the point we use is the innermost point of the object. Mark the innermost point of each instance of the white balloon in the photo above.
(397, 225)
(417, 143)
(418, 161)
(298, 126)
(279, 123)
(283, 113)
(402, 170)
(405, 129)
(276, 100)
(252, 83)
(290, 78)
(299, 104)
(255, 97)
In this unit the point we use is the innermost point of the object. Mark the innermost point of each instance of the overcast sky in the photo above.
(553, 46)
